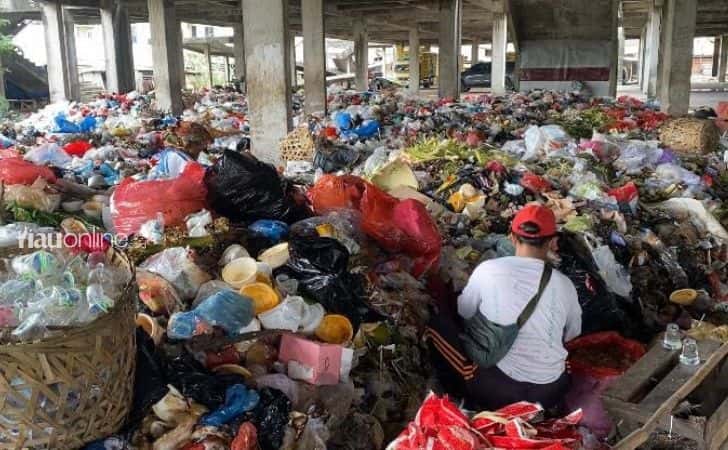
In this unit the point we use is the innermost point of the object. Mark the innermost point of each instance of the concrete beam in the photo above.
(361, 53)
(716, 57)
(239, 51)
(500, 45)
(314, 56)
(118, 53)
(652, 49)
(166, 49)
(69, 32)
(676, 54)
(414, 61)
(449, 47)
(55, 43)
(723, 59)
(2, 78)
(475, 50)
(208, 63)
(614, 57)
(267, 62)
(292, 49)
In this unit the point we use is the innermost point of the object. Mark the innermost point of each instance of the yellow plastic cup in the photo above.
(239, 272)
(335, 329)
(263, 296)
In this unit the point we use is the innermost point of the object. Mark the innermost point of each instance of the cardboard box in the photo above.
(315, 362)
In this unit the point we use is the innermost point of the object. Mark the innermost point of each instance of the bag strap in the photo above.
(531, 306)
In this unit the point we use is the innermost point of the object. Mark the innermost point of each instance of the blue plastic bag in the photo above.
(273, 230)
(367, 129)
(170, 164)
(64, 125)
(238, 401)
(226, 309)
(343, 120)
(6, 142)
(111, 176)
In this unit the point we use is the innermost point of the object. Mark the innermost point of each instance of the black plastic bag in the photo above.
(337, 158)
(270, 417)
(321, 267)
(243, 188)
(194, 381)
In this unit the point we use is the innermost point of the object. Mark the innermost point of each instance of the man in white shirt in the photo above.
(534, 368)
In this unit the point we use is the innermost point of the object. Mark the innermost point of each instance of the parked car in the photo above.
(478, 75)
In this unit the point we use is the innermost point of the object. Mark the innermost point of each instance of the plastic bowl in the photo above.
(239, 272)
(263, 296)
(275, 256)
(684, 296)
(335, 329)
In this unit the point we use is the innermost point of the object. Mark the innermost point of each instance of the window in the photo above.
(194, 31)
(209, 31)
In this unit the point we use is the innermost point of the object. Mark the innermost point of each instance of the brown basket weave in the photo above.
(298, 146)
(690, 135)
(67, 390)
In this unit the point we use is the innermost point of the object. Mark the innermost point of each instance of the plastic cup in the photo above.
(263, 296)
(690, 355)
(239, 272)
(335, 329)
(275, 256)
(150, 326)
(673, 337)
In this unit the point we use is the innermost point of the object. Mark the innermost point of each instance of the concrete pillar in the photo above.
(208, 63)
(474, 51)
(69, 30)
(614, 50)
(2, 78)
(449, 43)
(620, 56)
(267, 62)
(676, 55)
(414, 61)
(723, 59)
(227, 69)
(652, 47)
(361, 53)
(641, 58)
(716, 57)
(314, 55)
(292, 49)
(500, 46)
(181, 54)
(118, 53)
(167, 64)
(239, 51)
(55, 44)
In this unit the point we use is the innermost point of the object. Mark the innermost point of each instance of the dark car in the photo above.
(478, 75)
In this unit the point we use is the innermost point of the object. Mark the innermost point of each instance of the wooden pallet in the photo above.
(645, 396)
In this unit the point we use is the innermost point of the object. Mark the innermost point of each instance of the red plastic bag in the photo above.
(626, 193)
(422, 236)
(20, 171)
(606, 341)
(521, 410)
(77, 148)
(136, 202)
(535, 183)
(246, 439)
(331, 192)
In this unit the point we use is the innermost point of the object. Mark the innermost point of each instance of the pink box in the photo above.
(322, 361)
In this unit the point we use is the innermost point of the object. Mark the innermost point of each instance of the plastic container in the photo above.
(335, 329)
(684, 297)
(233, 252)
(276, 256)
(239, 272)
(263, 296)
(150, 326)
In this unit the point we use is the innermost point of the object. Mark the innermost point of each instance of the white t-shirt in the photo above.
(500, 289)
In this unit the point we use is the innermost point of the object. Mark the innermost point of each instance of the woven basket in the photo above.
(298, 146)
(67, 390)
(690, 135)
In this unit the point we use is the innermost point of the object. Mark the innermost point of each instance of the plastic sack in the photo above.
(177, 266)
(33, 196)
(245, 189)
(226, 310)
(273, 230)
(612, 344)
(63, 125)
(614, 274)
(238, 401)
(367, 129)
(170, 163)
(133, 204)
(18, 171)
(77, 148)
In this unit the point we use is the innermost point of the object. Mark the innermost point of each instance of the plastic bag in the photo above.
(197, 223)
(243, 188)
(170, 163)
(49, 154)
(321, 267)
(343, 225)
(271, 418)
(77, 148)
(608, 341)
(638, 155)
(158, 294)
(33, 196)
(63, 125)
(227, 310)
(177, 266)
(136, 202)
(535, 183)
(238, 401)
(613, 273)
(293, 314)
(195, 382)
(18, 171)
(272, 230)
(246, 438)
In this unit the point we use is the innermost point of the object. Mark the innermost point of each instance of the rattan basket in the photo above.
(67, 390)
(690, 135)
(298, 146)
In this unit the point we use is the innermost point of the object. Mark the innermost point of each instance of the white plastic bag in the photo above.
(614, 274)
(176, 266)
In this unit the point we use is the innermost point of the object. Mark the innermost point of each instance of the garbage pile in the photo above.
(286, 311)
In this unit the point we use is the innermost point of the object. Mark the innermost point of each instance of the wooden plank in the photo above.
(634, 413)
(716, 429)
(657, 360)
(677, 377)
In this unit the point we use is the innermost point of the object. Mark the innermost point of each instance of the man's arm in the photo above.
(469, 299)
(573, 317)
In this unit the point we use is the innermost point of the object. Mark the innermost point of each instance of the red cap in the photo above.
(534, 217)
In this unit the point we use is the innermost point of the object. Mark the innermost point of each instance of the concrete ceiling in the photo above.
(712, 17)
(566, 19)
